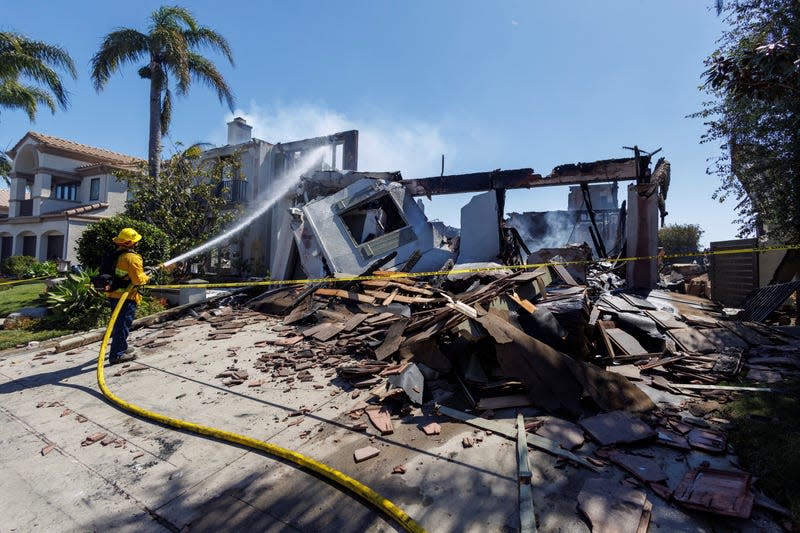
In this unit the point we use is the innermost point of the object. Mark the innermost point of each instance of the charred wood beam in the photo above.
(477, 182)
(608, 170)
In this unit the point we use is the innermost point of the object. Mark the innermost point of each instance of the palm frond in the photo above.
(25, 97)
(50, 54)
(36, 61)
(174, 57)
(120, 46)
(207, 37)
(170, 16)
(206, 72)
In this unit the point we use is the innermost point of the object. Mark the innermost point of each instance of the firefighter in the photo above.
(128, 270)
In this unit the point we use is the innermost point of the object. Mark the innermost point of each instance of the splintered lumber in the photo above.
(394, 337)
(602, 325)
(523, 467)
(347, 295)
(510, 432)
(565, 276)
(691, 386)
(664, 361)
(527, 514)
(416, 299)
(405, 287)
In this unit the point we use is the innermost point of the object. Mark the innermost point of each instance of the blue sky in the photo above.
(504, 84)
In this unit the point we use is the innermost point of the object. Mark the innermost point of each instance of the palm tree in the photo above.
(169, 49)
(22, 61)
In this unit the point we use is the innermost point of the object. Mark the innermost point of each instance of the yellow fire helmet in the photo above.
(127, 237)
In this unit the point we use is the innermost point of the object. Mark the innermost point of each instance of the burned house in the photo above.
(344, 223)
(556, 229)
(262, 167)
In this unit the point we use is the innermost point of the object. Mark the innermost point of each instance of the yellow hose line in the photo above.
(343, 480)
(26, 280)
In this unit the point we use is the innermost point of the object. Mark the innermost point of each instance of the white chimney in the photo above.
(239, 132)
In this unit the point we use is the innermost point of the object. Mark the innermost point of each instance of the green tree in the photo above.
(169, 49)
(677, 239)
(29, 74)
(5, 168)
(96, 241)
(755, 115)
(187, 201)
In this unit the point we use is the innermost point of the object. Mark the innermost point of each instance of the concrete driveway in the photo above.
(146, 477)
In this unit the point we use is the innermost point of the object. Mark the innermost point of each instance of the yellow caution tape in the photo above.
(27, 280)
(531, 266)
(343, 480)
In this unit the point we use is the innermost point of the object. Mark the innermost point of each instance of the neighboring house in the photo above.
(4, 203)
(58, 187)
(257, 249)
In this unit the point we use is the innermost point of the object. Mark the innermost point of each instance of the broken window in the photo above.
(371, 219)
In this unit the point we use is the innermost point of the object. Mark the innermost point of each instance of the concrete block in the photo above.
(368, 452)
(193, 295)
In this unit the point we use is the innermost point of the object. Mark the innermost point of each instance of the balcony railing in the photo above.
(233, 191)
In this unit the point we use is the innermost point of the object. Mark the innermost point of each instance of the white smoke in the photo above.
(413, 147)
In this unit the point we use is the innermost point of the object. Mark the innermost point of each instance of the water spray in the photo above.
(276, 190)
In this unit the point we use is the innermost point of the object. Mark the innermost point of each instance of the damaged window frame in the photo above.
(361, 243)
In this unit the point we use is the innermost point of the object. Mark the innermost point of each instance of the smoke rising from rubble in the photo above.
(415, 148)
(544, 229)
(275, 191)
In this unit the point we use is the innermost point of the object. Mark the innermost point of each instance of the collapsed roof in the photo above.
(345, 223)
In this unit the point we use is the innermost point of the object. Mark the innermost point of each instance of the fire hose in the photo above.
(340, 479)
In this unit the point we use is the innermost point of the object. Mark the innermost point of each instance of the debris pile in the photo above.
(631, 371)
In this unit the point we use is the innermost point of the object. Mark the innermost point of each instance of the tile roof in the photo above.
(81, 210)
(86, 208)
(94, 153)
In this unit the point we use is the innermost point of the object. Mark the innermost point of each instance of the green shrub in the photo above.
(96, 241)
(149, 306)
(18, 265)
(39, 270)
(75, 304)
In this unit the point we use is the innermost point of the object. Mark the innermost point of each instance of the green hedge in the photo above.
(96, 241)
